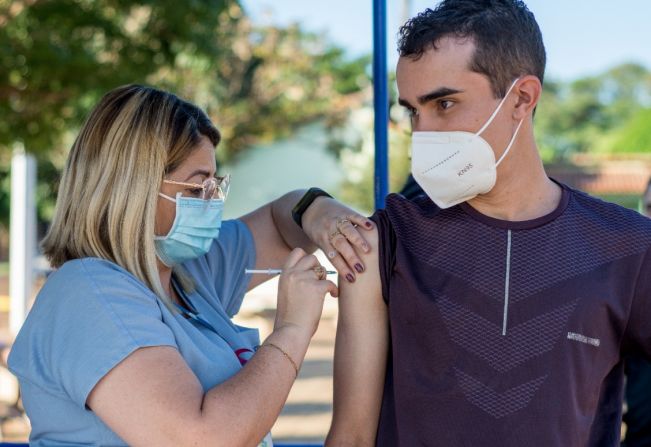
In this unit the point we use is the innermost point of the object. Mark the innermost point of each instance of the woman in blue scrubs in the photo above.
(130, 341)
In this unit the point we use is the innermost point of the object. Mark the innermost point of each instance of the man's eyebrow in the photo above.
(405, 103)
(436, 94)
(431, 96)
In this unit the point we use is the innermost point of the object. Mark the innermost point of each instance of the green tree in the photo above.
(634, 137)
(278, 79)
(575, 117)
(255, 82)
(59, 56)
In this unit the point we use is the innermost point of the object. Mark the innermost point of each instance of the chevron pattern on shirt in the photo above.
(495, 403)
(523, 342)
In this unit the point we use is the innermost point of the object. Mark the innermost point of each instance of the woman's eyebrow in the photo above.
(198, 172)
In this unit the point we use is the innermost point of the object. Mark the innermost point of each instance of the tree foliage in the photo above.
(634, 137)
(256, 82)
(275, 80)
(58, 57)
(580, 115)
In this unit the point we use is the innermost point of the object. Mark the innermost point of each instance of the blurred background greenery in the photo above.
(294, 108)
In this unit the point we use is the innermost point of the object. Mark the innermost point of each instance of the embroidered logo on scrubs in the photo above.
(244, 355)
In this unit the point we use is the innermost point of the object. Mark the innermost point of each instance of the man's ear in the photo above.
(528, 90)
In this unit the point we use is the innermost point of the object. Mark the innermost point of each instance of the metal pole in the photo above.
(22, 229)
(380, 102)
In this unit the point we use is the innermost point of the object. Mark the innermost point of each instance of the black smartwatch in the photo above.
(305, 202)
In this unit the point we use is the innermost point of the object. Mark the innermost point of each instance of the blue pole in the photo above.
(380, 102)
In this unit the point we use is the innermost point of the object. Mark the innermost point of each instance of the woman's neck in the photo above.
(165, 275)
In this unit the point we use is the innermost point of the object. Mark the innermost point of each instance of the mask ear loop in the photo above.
(490, 120)
(508, 148)
(171, 199)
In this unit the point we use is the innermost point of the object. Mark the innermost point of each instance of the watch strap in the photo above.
(305, 202)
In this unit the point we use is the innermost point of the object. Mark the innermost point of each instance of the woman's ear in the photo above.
(528, 90)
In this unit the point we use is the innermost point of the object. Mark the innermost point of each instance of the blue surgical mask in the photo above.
(195, 226)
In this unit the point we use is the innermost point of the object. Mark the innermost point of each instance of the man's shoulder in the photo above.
(398, 207)
(607, 221)
(608, 213)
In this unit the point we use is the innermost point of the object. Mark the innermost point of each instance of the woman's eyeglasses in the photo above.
(211, 188)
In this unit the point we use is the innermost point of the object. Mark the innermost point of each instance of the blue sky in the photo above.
(582, 37)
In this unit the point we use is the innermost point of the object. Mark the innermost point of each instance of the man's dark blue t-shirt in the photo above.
(511, 333)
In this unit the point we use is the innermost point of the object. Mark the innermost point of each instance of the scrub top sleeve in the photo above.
(230, 254)
(109, 316)
(638, 330)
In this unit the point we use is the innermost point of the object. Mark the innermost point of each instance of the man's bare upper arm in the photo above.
(360, 355)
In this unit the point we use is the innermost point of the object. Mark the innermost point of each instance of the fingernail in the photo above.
(350, 278)
(369, 224)
(359, 268)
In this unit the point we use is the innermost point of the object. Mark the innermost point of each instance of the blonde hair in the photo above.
(106, 205)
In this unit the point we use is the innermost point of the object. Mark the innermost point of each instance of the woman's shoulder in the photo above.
(86, 296)
(90, 265)
(89, 286)
(89, 315)
(94, 275)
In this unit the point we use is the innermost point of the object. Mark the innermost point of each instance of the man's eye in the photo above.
(196, 192)
(412, 112)
(445, 104)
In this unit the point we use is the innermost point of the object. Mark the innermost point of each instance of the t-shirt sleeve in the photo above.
(387, 252)
(231, 253)
(87, 319)
(638, 331)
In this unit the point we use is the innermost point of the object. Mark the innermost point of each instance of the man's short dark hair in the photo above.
(507, 38)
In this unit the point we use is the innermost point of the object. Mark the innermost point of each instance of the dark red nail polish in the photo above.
(369, 225)
(359, 268)
(350, 278)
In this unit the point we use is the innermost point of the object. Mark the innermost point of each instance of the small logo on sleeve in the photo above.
(583, 339)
